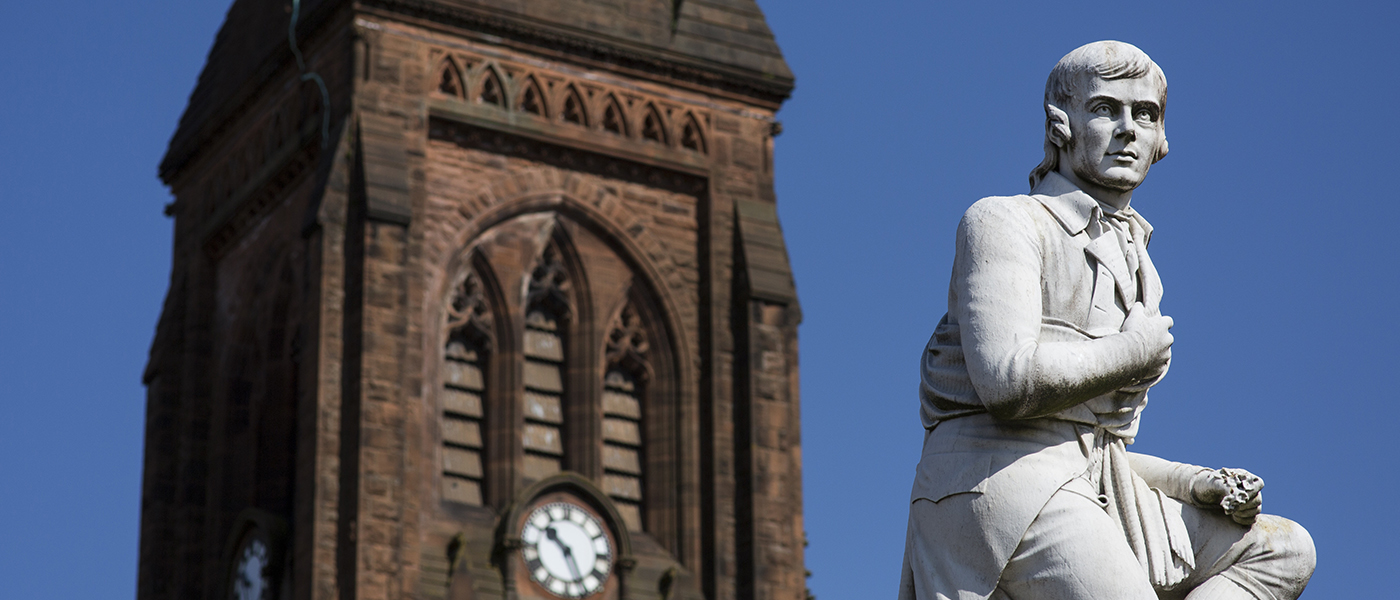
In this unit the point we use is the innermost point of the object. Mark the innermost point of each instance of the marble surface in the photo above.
(1035, 382)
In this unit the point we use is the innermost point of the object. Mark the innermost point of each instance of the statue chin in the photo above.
(1115, 179)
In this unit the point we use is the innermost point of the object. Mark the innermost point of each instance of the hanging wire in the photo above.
(312, 76)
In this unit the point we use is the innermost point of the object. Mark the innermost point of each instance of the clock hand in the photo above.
(568, 552)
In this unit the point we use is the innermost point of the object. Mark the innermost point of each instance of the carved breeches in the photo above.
(1073, 550)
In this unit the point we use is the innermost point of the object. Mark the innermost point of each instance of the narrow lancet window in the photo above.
(546, 316)
(624, 393)
(464, 387)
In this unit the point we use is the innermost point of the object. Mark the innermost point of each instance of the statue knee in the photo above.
(1290, 551)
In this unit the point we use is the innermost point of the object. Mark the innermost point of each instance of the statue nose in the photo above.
(1127, 130)
(1126, 126)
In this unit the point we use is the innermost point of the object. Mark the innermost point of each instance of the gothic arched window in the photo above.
(465, 360)
(546, 316)
(624, 395)
(570, 368)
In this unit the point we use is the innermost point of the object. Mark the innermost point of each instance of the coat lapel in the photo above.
(1075, 212)
(1109, 254)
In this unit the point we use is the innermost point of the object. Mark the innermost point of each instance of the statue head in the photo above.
(1105, 105)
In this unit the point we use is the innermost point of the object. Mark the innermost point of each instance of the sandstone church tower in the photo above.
(477, 299)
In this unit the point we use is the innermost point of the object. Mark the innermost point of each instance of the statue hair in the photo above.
(1106, 60)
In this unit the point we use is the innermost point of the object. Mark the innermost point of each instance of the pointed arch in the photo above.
(492, 89)
(548, 311)
(573, 110)
(653, 126)
(614, 119)
(626, 373)
(466, 384)
(532, 99)
(449, 78)
(692, 136)
(669, 394)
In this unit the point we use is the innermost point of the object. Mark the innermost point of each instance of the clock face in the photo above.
(250, 581)
(566, 550)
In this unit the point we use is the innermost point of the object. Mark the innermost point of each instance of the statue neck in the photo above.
(1118, 199)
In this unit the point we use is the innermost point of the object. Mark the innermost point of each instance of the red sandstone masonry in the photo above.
(288, 256)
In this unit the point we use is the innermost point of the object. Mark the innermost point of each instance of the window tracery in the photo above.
(652, 128)
(573, 108)
(465, 359)
(546, 315)
(492, 91)
(624, 393)
(449, 80)
(691, 138)
(531, 98)
(613, 121)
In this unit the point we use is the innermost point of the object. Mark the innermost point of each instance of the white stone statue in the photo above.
(1034, 382)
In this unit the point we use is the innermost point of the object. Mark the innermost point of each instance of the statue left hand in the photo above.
(1236, 491)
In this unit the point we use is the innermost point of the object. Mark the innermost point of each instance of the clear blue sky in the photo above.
(1276, 218)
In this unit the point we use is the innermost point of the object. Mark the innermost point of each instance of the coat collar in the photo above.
(1075, 209)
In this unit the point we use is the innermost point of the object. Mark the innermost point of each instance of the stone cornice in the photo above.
(763, 89)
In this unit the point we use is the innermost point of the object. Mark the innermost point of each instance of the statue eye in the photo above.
(1146, 116)
(1102, 110)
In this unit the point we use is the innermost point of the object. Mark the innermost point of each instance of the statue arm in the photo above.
(1237, 492)
(997, 299)
(1176, 480)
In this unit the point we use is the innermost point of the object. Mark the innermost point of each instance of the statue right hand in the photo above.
(1156, 333)
(1237, 492)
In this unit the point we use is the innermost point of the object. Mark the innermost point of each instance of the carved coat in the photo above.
(1041, 287)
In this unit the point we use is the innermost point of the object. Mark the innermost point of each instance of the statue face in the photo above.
(1115, 127)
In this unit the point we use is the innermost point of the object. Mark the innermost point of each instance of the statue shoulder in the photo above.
(1002, 214)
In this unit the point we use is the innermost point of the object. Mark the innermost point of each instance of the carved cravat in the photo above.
(1130, 238)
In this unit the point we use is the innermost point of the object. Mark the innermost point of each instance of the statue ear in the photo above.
(1056, 126)
(1161, 151)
